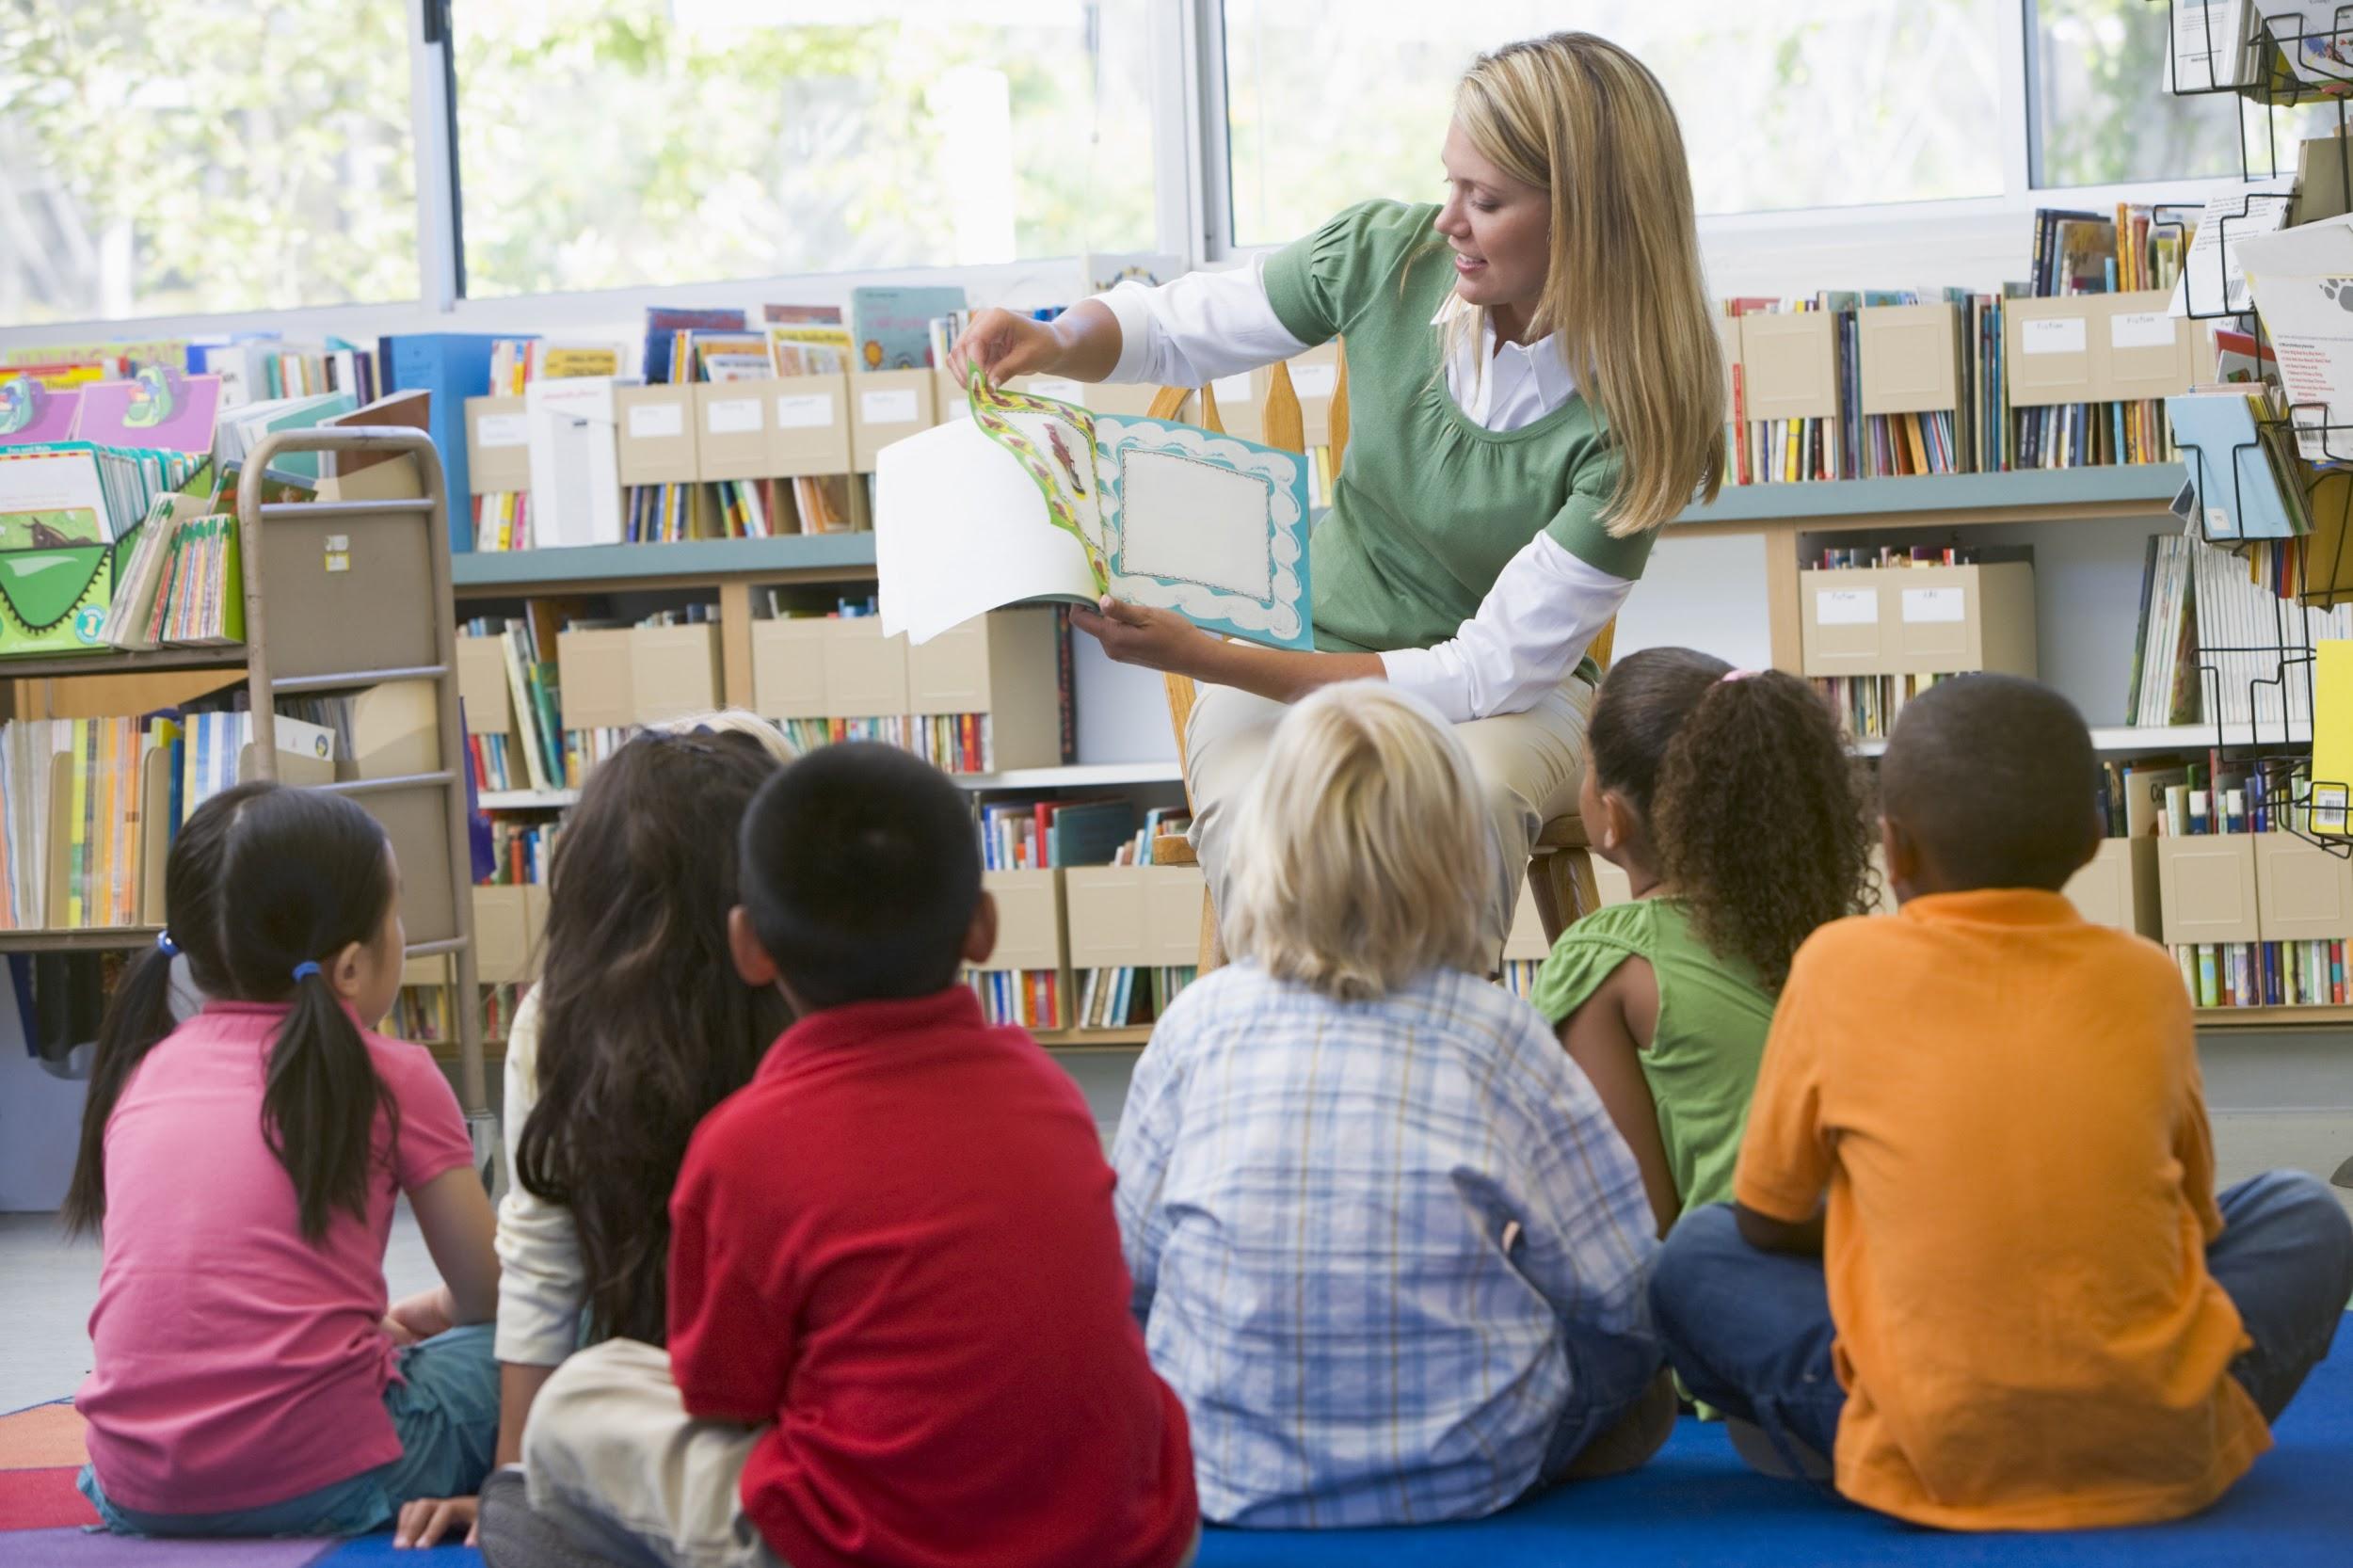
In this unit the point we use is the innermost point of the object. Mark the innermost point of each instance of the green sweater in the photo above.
(1713, 1015)
(1430, 505)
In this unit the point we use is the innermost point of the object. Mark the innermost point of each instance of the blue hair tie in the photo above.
(304, 970)
(164, 945)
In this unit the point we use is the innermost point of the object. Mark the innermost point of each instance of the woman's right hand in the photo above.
(1001, 344)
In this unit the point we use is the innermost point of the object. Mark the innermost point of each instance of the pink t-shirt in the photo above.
(238, 1365)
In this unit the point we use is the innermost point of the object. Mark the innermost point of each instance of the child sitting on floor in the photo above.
(898, 1324)
(2028, 1311)
(1385, 1243)
(638, 1028)
(1731, 804)
(243, 1166)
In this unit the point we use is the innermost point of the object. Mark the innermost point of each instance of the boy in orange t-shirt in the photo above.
(2029, 1311)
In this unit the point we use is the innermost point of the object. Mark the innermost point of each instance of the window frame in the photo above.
(1977, 241)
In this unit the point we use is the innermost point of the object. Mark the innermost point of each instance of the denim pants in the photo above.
(445, 1412)
(1750, 1332)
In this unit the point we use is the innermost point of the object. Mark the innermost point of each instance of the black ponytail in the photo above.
(264, 885)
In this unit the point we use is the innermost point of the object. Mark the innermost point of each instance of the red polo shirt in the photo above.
(897, 1243)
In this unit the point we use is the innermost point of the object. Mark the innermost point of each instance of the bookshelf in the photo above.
(314, 624)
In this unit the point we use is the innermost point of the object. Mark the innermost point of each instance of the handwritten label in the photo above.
(804, 410)
(895, 406)
(1058, 389)
(338, 551)
(653, 422)
(2142, 329)
(1934, 605)
(502, 430)
(733, 416)
(2054, 335)
(1315, 380)
(1233, 389)
(1846, 606)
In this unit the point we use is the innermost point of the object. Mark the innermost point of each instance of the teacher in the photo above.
(1535, 387)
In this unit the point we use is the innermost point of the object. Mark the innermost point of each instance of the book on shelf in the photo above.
(241, 429)
(33, 411)
(2215, 798)
(449, 367)
(159, 408)
(2212, 45)
(2332, 783)
(1038, 500)
(890, 328)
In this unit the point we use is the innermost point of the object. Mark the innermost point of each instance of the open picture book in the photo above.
(1031, 500)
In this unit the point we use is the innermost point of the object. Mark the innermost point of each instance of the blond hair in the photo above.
(740, 721)
(1582, 120)
(1364, 855)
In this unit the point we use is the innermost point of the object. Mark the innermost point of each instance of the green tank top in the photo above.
(1428, 505)
(1713, 1015)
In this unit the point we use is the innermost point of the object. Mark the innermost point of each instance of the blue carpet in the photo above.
(1696, 1506)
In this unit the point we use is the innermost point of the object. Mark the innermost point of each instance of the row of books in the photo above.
(531, 754)
(1125, 996)
(2207, 800)
(1868, 705)
(182, 584)
(427, 1015)
(1045, 834)
(521, 853)
(2295, 47)
(64, 493)
(1031, 997)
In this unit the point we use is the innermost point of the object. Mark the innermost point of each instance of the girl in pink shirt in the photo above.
(250, 1379)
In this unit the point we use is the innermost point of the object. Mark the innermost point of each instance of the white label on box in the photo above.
(733, 416)
(1232, 389)
(503, 430)
(1934, 605)
(804, 410)
(2054, 335)
(895, 406)
(2142, 329)
(1846, 606)
(652, 422)
(1315, 380)
(1055, 387)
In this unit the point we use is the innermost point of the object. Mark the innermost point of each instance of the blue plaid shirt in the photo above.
(1357, 1231)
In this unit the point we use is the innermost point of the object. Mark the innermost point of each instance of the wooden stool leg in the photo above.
(1562, 884)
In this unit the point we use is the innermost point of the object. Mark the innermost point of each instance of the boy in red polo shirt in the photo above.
(899, 1324)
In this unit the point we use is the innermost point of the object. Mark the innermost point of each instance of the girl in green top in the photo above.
(1729, 802)
(1535, 387)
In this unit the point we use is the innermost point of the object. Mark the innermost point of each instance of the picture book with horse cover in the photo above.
(1036, 501)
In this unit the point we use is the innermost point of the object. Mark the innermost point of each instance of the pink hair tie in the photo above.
(1739, 675)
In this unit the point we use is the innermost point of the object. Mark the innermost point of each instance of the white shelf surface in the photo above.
(2178, 737)
(528, 800)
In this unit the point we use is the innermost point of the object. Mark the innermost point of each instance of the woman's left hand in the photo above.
(1157, 639)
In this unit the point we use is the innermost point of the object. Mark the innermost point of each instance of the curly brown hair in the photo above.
(1747, 795)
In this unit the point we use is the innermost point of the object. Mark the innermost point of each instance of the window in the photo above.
(1783, 103)
(2103, 114)
(668, 141)
(172, 156)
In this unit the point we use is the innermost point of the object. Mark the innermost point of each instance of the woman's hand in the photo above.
(425, 1520)
(1157, 639)
(1001, 344)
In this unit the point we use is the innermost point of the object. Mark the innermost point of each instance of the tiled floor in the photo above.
(47, 1284)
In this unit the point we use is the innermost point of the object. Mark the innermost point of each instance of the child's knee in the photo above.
(1690, 1262)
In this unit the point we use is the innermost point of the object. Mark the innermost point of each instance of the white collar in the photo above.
(1554, 383)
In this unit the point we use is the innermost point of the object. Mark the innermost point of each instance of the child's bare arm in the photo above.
(455, 1214)
(1606, 1036)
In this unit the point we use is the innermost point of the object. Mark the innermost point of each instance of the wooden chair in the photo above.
(1560, 863)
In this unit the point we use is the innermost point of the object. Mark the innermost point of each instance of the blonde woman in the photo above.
(1386, 1245)
(1535, 387)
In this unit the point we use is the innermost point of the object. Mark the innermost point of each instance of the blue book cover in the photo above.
(452, 367)
(891, 329)
(2238, 493)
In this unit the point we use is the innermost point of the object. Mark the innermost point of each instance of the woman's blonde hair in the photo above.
(1578, 118)
(740, 721)
(1364, 853)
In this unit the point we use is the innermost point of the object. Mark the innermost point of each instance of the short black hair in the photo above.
(1995, 776)
(860, 871)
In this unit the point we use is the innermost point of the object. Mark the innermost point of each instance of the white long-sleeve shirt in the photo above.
(543, 1283)
(1546, 605)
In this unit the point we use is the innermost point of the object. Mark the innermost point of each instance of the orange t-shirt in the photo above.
(2004, 1103)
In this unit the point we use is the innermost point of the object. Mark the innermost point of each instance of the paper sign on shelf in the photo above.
(1935, 604)
(1315, 380)
(804, 410)
(1846, 606)
(895, 406)
(1057, 388)
(733, 416)
(653, 421)
(2142, 329)
(1232, 389)
(503, 430)
(2055, 335)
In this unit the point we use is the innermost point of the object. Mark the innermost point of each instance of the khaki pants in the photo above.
(611, 1455)
(1530, 766)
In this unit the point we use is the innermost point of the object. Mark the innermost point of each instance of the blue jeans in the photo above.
(1750, 1332)
(446, 1414)
(1609, 1374)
